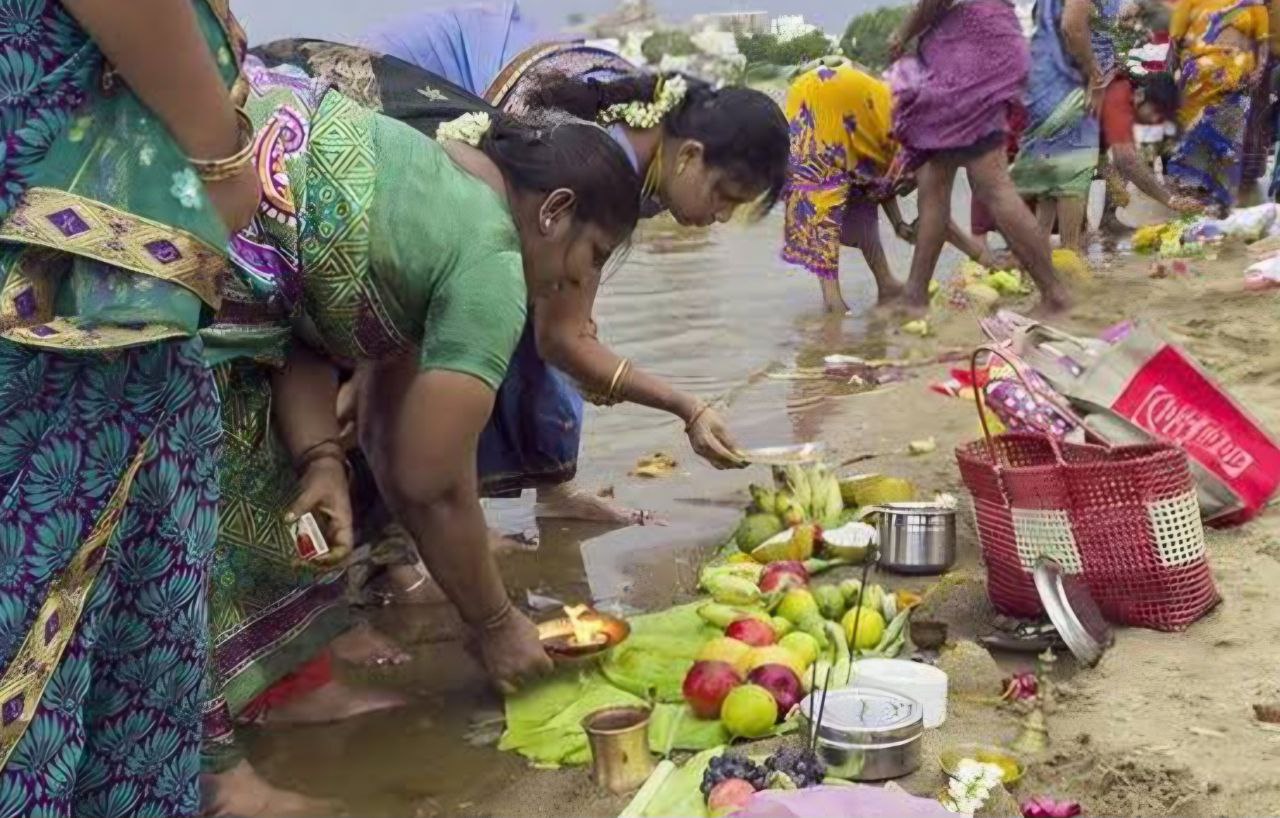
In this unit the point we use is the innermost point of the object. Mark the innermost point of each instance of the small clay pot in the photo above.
(928, 634)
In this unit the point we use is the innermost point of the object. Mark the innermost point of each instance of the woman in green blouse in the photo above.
(376, 244)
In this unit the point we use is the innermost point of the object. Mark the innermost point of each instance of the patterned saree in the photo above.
(110, 257)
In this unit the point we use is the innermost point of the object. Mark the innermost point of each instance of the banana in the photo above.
(783, 499)
(746, 570)
(798, 482)
(722, 616)
(794, 513)
(764, 499)
(732, 590)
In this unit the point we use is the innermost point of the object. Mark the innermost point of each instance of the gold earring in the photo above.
(680, 167)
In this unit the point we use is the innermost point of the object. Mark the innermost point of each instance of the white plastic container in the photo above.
(924, 683)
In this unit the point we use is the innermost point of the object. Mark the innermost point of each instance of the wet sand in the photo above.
(1163, 726)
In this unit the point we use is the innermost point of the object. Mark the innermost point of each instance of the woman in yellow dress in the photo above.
(1221, 47)
(843, 166)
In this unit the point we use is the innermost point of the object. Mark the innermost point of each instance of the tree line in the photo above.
(865, 40)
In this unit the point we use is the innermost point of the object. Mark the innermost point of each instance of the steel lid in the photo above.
(865, 716)
(1073, 612)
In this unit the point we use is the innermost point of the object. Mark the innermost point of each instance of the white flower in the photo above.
(147, 154)
(643, 115)
(186, 188)
(468, 128)
(971, 786)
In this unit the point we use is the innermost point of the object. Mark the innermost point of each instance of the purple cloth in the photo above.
(467, 45)
(841, 802)
(956, 92)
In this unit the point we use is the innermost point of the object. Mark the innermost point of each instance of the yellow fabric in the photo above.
(841, 150)
(1220, 69)
(841, 95)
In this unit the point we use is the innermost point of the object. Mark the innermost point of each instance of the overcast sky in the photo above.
(346, 19)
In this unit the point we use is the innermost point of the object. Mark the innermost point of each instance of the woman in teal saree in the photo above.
(120, 181)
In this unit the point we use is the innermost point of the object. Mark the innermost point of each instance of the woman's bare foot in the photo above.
(332, 702)
(832, 299)
(1051, 307)
(241, 792)
(567, 503)
(364, 646)
(889, 294)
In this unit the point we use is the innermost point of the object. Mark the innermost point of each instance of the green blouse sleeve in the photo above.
(475, 319)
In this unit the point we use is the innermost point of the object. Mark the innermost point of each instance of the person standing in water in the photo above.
(951, 104)
(844, 167)
(1058, 157)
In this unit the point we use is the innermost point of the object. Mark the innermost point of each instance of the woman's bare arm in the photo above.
(157, 48)
(566, 340)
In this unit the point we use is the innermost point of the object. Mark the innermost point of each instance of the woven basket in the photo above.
(1125, 519)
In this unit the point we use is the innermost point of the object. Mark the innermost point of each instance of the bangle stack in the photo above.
(219, 170)
(495, 620)
(616, 386)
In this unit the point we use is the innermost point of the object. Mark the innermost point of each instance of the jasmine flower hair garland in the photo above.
(668, 93)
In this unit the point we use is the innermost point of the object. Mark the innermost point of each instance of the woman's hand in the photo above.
(710, 438)
(236, 199)
(511, 652)
(324, 493)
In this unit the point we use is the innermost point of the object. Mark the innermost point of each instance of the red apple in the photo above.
(782, 683)
(783, 575)
(730, 795)
(755, 633)
(705, 686)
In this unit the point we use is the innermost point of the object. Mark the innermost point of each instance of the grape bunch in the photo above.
(733, 765)
(799, 764)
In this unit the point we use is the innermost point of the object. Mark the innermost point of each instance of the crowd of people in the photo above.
(357, 281)
(1034, 127)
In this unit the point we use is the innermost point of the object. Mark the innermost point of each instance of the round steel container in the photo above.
(917, 538)
(867, 734)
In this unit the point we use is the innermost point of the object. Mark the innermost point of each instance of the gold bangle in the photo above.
(697, 413)
(218, 170)
(495, 620)
(619, 376)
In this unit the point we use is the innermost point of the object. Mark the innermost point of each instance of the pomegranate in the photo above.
(752, 631)
(706, 685)
(782, 683)
(783, 575)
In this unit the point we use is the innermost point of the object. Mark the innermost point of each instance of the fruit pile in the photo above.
(776, 628)
(809, 511)
(732, 778)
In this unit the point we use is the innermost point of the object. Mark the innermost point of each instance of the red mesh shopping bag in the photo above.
(1125, 519)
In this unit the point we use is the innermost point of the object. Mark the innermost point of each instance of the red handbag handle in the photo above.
(1020, 371)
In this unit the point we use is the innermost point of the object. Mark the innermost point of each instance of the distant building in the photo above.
(736, 22)
(629, 15)
(790, 26)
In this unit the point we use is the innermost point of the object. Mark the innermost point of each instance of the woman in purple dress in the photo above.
(952, 98)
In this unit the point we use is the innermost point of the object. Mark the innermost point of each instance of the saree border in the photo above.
(32, 667)
(67, 222)
(506, 80)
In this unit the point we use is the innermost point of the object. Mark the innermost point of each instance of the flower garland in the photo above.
(971, 786)
(667, 96)
(468, 128)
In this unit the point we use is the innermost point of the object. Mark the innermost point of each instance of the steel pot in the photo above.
(867, 734)
(916, 538)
